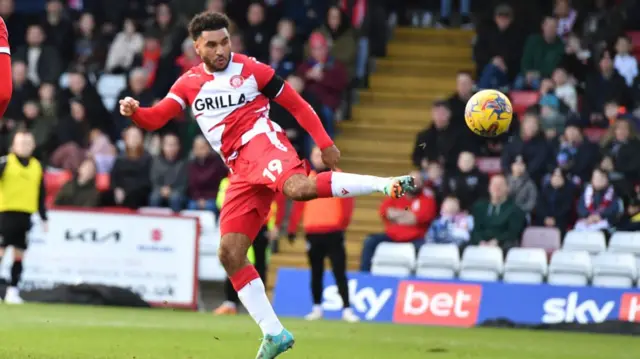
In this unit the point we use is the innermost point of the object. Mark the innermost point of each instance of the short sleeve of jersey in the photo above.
(178, 91)
(262, 73)
(4, 38)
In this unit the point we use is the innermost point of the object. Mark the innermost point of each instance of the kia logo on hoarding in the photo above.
(92, 235)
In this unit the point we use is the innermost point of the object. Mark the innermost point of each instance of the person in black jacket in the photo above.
(555, 201)
(257, 34)
(623, 146)
(137, 89)
(43, 59)
(502, 41)
(532, 146)
(467, 184)
(577, 155)
(130, 181)
(601, 86)
(441, 142)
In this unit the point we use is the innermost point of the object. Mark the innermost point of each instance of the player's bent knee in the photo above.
(233, 251)
(300, 188)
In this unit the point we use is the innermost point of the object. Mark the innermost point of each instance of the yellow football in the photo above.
(488, 113)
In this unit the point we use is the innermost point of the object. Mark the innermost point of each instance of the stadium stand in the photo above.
(481, 264)
(394, 259)
(614, 270)
(438, 261)
(591, 242)
(571, 268)
(525, 265)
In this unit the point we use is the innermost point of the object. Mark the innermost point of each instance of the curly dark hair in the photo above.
(207, 21)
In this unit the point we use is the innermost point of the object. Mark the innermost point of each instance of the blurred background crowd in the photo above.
(570, 159)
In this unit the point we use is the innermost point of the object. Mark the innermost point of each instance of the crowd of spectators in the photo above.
(569, 159)
(64, 52)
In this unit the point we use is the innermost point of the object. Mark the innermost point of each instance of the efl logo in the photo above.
(430, 303)
(630, 307)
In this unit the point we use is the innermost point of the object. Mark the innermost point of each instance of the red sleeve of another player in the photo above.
(5, 69)
(153, 118)
(288, 98)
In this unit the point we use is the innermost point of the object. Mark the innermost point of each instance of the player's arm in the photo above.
(6, 87)
(275, 88)
(155, 117)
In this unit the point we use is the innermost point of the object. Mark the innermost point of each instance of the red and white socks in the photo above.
(252, 294)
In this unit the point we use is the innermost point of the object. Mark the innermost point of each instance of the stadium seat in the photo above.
(614, 270)
(626, 242)
(592, 242)
(525, 265)
(594, 134)
(481, 264)
(155, 210)
(521, 100)
(570, 268)
(440, 261)
(394, 259)
(109, 87)
(546, 238)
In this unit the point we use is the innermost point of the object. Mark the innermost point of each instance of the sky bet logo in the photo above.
(571, 309)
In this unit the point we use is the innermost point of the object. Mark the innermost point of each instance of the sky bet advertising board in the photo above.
(455, 303)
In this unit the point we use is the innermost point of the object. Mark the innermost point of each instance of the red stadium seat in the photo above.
(521, 100)
(635, 39)
(489, 165)
(595, 134)
(546, 238)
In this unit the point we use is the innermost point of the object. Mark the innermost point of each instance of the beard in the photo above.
(214, 64)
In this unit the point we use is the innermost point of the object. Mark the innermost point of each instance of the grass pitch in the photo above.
(79, 332)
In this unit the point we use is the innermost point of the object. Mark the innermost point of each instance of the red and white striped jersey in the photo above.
(228, 105)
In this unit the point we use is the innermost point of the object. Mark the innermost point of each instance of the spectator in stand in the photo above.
(621, 185)
(467, 183)
(624, 62)
(532, 145)
(342, 39)
(73, 138)
(23, 90)
(48, 102)
(601, 86)
(307, 15)
(277, 57)
(124, 48)
(326, 78)
(60, 31)
(205, 172)
(576, 155)
(101, 151)
(405, 219)
(170, 31)
(43, 130)
(440, 142)
(324, 222)
(257, 34)
(169, 176)
(555, 202)
(130, 182)
(357, 13)
(189, 57)
(631, 218)
(498, 222)
(521, 187)
(90, 50)
(552, 120)
(576, 58)
(458, 101)
(137, 88)
(42, 60)
(300, 140)
(287, 31)
(149, 59)
(599, 206)
(622, 144)
(237, 43)
(499, 47)
(82, 90)
(542, 54)
(452, 226)
(614, 112)
(81, 190)
(568, 19)
(564, 89)
(16, 25)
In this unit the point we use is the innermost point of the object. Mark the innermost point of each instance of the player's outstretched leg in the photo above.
(339, 184)
(252, 294)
